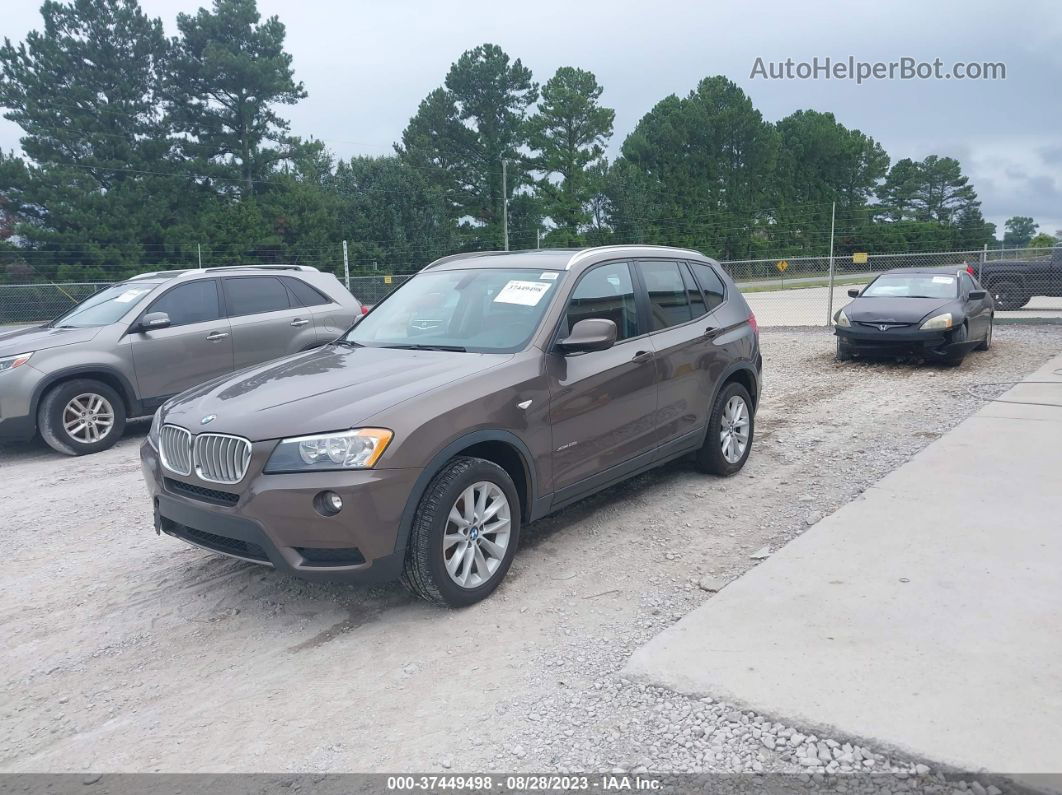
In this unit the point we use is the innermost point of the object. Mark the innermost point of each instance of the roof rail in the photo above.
(586, 252)
(156, 275)
(465, 255)
(261, 267)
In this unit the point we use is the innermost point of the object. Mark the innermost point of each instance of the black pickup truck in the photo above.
(1014, 282)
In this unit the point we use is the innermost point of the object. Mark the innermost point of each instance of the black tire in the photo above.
(50, 416)
(961, 334)
(986, 343)
(425, 571)
(710, 457)
(844, 354)
(1010, 295)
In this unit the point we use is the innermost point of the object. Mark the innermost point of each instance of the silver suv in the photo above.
(127, 349)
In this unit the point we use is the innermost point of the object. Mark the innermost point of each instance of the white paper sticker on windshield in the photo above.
(549, 275)
(129, 295)
(520, 292)
(943, 280)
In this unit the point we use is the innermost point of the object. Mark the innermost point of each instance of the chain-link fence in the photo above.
(782, 292)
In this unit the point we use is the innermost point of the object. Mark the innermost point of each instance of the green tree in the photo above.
(822, 162)
(709, 160)
(972, 231)
(392, 214)
(97, 187)
(568, 135)
(1043, 240)
(1019, 230)
(229, 72)
(461, 134)
(933, 190)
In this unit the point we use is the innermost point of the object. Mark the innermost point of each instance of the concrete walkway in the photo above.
(924, 617)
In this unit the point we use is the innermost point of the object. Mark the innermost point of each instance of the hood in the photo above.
(39, 338)
(887, 309)
(326, 389)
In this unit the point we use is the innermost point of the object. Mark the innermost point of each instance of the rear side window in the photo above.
(251, 295)
(669, 304)
(694, 293)
(305, 294)
(195, 302)
(605, 292)
(708, 279)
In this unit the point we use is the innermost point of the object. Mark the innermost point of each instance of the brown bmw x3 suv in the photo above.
(487, 391)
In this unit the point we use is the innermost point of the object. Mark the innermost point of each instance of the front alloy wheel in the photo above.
(464, 533)
(477, 534)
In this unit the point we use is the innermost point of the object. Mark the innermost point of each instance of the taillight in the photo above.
(364, 309)
(752, 322)
(970, 270)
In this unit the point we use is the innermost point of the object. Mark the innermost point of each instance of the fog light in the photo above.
(328, 503)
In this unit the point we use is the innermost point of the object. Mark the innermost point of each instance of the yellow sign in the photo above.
(859, 258)
(387, 279)
(782, 266)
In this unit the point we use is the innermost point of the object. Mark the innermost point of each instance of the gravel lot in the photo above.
(128, 652)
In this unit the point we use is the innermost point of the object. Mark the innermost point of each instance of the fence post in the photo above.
(346, 266)
(829, 296)
(981, 264)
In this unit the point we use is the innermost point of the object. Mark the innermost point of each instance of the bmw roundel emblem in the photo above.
(209, 418)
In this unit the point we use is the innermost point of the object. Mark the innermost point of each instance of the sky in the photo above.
(367, 65)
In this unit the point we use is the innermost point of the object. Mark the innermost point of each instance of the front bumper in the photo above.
(17, 387)
(272, 519)
(866, 341)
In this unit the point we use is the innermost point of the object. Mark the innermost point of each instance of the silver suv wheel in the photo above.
(734, 430)
(477, 534)
(88, 418)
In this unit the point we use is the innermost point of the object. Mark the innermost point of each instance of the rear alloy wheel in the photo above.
(1010, 295)
(464, 533)
(81, 416)
(987, 343)
(728, 441)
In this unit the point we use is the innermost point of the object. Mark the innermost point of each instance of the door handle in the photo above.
(299, 322)
(642, 356)
(217, 335)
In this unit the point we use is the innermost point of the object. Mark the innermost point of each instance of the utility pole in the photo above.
(505, 206)
(538, 238)
(829, 295)
(346, 266)
(199, 248)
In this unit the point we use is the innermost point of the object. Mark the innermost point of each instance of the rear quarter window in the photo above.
(304, 294)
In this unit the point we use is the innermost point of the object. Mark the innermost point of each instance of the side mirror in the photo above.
(978, 295)
(592, 334)
(153, 321)
(853, 292)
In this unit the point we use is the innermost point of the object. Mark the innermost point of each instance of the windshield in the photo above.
(484, 310)
(105, 307)
(913, 285)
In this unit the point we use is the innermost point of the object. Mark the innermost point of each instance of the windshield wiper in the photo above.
(415, 347)
(347, 343)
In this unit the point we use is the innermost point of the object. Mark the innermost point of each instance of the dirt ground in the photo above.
(128, 652)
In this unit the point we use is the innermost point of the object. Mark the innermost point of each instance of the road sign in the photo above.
(782, 266)
(859, 258)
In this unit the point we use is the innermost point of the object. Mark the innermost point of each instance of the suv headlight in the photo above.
(841, 319)
(359, 448)
(938, 323)
(11, 362)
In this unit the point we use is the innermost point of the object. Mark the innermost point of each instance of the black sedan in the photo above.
(932, 314)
